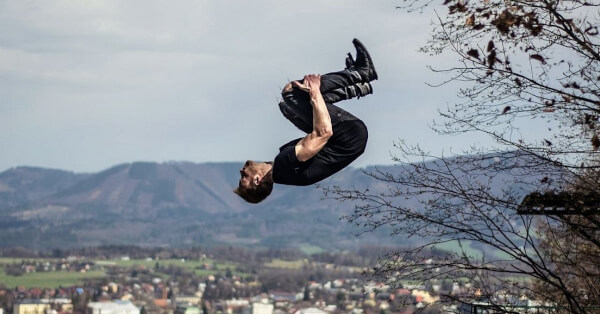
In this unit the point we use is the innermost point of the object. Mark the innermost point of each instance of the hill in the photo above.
(181, 204)
(166, 204)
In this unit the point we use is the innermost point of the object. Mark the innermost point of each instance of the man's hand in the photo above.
(311, 84)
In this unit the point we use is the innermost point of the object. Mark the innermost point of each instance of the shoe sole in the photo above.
(357, 42)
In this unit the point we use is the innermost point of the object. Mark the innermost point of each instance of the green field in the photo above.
(453, 246)
(310, 249)
(56, 279)
(192, 265)
(189, 264)
(279, 263)
(48, 279)
(12, 260)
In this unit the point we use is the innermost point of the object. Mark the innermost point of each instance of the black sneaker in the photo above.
(363, 63)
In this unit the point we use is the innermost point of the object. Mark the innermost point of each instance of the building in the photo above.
(42, 306)
(188, 299)
(187, 309)
(60, 304)
(29, 306)
(112, 307)
(262, 308)
(311, 310)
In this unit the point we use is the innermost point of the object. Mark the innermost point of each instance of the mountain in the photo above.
(25, 184)
(191, 204)
(158, 204)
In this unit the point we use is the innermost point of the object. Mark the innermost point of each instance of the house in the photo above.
(41, 306)
(60, 304)
(310, 310)
(162, 303)
(236, 305)
(187, 309)
(282, 296)
(31, 306)
(112, 307)
(262, 308)
(188, 299)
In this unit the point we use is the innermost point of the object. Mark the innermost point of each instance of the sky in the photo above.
(85, 85)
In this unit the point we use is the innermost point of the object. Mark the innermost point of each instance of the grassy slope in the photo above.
(48, 279)
(56, 279)
(193, 265)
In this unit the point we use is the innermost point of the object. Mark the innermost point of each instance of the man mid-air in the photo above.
(334, 136)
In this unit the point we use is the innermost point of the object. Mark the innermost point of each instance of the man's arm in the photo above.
(313, 142)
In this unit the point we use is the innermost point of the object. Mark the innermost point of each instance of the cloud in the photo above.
(87, 84)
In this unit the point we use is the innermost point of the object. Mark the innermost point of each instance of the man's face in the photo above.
(248, 174)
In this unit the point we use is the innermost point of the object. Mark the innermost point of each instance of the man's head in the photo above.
(256, 181)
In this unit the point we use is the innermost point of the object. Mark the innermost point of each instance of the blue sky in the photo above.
(88, 84)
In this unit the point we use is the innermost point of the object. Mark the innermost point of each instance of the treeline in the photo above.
(365, 256)
(107, 252)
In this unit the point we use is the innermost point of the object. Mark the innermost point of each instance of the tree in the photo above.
(574, 258)
(521, 63)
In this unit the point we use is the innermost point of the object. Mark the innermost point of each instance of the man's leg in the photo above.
(336, 86)
(297, 108)
(299, 118)
(360, 71)
(341, 79)
(348, 92)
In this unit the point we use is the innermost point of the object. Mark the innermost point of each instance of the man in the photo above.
(334, 137)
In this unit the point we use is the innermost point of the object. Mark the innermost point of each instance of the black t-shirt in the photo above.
(287, 169)
(347, 143)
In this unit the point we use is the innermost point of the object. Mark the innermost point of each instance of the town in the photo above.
(225, 280)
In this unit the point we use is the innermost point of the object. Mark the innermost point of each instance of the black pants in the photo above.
(297, 108)
(349, 132)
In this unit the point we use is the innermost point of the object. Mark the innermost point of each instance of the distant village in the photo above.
(202, 285)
